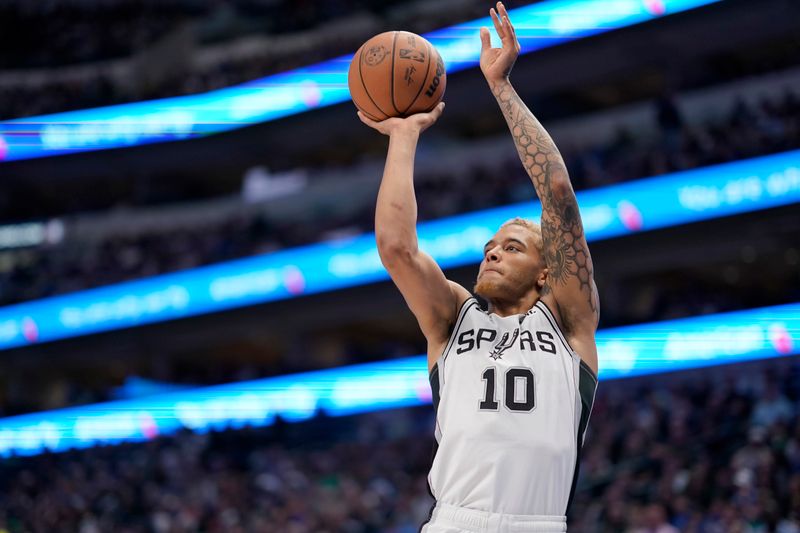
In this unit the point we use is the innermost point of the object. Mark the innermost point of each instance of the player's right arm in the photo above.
(432, 298)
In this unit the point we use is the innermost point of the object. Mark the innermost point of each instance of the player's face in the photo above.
(511, 265)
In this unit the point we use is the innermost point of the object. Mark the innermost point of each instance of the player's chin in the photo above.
(486, 289)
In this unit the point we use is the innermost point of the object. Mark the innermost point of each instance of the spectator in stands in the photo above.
(772, 408)
(65, 268)
(654, 520)
(673, 452)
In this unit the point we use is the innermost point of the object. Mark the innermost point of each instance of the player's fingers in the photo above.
(502, 11)
(486, 39)
(365, 120)
(437, 111)
(506, 20)
(513, 33)
(498, 25)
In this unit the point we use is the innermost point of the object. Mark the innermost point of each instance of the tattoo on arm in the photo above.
(566, 253)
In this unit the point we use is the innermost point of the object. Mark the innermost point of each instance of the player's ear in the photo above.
(542, 279)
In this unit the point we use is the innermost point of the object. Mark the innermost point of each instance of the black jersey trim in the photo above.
(434, 379)
(587, 387)
(466, 306)
(430, 489)
(428, 486)
(591, 372)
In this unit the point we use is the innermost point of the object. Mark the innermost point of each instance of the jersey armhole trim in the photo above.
(588, 369)
(466, 306)
(553, 322)
(587, 389)
(552, 319)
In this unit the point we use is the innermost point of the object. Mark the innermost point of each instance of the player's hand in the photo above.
(496, 63)
(416, 123)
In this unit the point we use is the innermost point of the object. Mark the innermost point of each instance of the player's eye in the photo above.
(512, 248)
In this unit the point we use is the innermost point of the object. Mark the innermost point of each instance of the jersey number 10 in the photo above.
(515, 377)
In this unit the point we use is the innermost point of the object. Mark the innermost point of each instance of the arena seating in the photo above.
(710, 450)
(746, 130)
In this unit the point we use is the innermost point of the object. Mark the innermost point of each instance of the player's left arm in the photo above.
(571, 273)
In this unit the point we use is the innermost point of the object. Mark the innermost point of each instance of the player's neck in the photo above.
(514, 307)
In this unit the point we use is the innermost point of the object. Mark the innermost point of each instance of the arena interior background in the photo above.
(196, 333)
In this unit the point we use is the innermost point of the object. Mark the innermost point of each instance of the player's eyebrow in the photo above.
(488, 244)
(511, 239)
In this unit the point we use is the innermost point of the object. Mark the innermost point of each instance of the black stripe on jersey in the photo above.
(434, 379)
(587, 386)
(548, 314)
(428, 484)
(466, 306)
(433, 376)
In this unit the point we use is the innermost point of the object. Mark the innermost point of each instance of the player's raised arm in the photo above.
(570, 276)
(431, 297)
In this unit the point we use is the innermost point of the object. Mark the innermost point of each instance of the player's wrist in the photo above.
(498, 82)
(406, 132)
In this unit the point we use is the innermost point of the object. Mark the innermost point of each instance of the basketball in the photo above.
(396, 74)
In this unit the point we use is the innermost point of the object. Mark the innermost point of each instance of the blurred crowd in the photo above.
(659, 297)
(715, 450)
(771, 125)
(58, 34)
(708, 451)
(718, 452)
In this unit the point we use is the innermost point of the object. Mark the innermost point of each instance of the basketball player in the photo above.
(512, 386)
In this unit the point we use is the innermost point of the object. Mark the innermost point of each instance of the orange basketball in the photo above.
(396, 74)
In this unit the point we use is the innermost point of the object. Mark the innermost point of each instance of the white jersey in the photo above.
(512, 403)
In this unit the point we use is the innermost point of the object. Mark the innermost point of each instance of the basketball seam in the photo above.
(366, 91)
(370, 115)
(422, 85)
(391, 87)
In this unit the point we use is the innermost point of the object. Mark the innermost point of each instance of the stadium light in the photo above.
(623, 352)
(613, 211)
(540, 25)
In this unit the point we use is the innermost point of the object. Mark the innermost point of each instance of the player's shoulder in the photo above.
(569, 325)
(459, 298)
(580, 337)
(463, 301)
(460, 295)
(548, 304)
